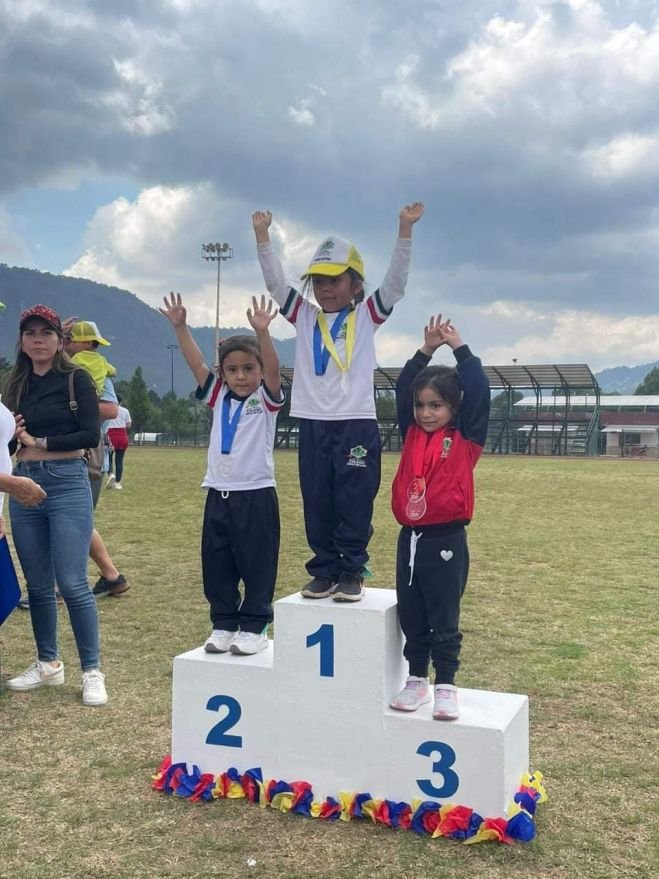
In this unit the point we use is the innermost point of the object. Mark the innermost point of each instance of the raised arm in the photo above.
(273, 273)
(475, 407)
(260, 317)
(392, 287)
(176, 314)
(432, 340)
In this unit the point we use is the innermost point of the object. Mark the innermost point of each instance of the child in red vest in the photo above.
(443, 414)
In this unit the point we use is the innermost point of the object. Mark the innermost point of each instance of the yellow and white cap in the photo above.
(334, 257)
(87, 331)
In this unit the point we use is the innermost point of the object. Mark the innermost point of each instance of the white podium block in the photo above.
(338, 665)
(316, 708)
(475, 761)
(223, 710)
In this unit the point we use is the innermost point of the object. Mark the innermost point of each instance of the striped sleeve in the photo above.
(285, 296)
(271, 403)
(209, 392)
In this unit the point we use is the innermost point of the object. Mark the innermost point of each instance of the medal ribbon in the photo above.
(324, 338)
(229, 423)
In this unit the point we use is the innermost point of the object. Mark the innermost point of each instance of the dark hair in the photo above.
(246, 344)
(307, 286)
(444, 381)
(22, 369)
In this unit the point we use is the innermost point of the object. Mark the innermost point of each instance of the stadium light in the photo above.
(217, 253)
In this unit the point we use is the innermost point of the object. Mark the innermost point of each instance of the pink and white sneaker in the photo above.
(415, 693)
(446, 702)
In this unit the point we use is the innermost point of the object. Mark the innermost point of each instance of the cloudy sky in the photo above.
(135, 130)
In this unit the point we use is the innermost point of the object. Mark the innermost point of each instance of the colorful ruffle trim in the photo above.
(422, 816)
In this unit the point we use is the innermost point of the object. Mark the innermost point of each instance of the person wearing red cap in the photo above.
(52, 539)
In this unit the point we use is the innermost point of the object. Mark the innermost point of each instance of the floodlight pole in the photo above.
(171, 351)
(217, 253)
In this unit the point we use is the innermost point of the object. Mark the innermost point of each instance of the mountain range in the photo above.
(140, 336)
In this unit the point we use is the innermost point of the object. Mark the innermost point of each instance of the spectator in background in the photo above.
(82, 348)
(111, 582)
(52, 539)
(117, 431)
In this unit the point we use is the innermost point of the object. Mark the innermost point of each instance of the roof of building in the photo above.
(638, 401)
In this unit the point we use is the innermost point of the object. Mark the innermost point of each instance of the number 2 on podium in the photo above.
(324, 637)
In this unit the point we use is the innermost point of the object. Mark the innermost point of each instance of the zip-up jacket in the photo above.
(449, 494)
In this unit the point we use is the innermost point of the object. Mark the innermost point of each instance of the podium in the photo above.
(314, 706)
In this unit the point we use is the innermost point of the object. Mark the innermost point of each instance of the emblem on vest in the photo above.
(446, 446)
(253, 407)
(357, 457)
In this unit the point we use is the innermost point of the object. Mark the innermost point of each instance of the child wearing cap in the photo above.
(82, 347)
(333, 399)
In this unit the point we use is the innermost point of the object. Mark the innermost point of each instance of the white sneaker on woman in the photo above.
(93, 688)
(39, 674)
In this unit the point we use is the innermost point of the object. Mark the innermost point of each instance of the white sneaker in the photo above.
(219, 641)
(415, 693)
(246, 643)
(93, 688)
(118, 485)
(111, 480)
(39, 674)
(446, 702)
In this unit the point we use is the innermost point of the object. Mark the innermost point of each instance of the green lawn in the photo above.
(561, 605)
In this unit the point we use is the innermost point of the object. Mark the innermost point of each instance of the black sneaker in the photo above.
(319, 587)
(349, 588)
(111, 587)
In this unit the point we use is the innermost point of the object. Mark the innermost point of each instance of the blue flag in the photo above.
(10, 591)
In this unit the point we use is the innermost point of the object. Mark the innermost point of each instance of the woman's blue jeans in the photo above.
(52, 543)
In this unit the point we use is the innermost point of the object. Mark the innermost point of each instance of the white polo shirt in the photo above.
(249, 463)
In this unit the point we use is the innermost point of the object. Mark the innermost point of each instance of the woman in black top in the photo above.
(52, 539)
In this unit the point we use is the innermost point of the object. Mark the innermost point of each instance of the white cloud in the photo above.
(624, 156)
(601, 340)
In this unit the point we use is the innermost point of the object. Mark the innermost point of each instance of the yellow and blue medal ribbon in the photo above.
(324, 338)
(229, 423)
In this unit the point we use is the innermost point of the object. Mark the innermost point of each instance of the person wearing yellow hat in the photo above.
(332, 396)
(82, 347)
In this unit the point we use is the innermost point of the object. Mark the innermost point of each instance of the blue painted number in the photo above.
(441, 766)
(325, 637)
(218, 734)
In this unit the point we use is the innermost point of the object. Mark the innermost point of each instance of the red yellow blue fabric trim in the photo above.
(421, 816)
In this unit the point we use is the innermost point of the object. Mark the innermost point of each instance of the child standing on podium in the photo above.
(443, 415)
(240, 536)
(332, 397)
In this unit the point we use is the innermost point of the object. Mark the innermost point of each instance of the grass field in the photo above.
(561, 605)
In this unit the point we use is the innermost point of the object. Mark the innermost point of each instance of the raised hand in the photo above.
(412, 213)
(261, 220)
(174, 310)
(261, 316)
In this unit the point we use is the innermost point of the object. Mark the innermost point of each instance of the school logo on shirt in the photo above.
(253, 407)
(357, 457)
(446, 446)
